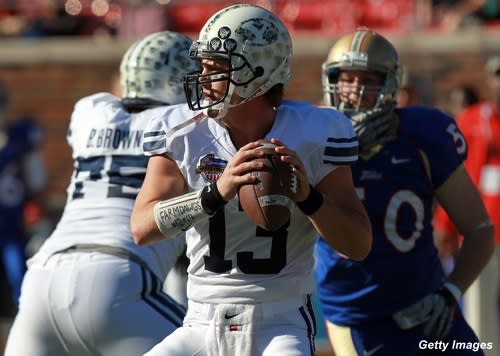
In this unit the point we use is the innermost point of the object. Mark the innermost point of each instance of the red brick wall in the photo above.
(49, 92)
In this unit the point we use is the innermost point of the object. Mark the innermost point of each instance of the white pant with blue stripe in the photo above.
(270, 329)
(91, 303)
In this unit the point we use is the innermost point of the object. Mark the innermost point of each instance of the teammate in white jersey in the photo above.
(248, 288)
(90, 290)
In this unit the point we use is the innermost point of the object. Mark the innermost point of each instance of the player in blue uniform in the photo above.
(22, 176)
(397, 301)
(22, 140)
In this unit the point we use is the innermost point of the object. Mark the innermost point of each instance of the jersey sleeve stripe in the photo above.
(154, 133)
(153, 147)
(341, 151)
(343, 140)
(154, 142)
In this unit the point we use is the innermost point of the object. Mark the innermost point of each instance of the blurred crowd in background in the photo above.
(133, 18)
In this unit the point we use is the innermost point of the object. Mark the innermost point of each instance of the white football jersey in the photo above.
(109, 167)
(231, 259)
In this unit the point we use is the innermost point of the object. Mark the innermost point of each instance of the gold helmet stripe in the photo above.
(358, 40)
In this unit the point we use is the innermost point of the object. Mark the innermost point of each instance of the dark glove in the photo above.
(442, 314)
(436, 310)
(374, 127)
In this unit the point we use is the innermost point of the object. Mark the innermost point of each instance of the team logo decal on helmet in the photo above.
(230, 45)
(224, 33)
(267, 30)
(215, 44)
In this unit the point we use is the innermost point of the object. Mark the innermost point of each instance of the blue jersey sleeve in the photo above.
(438, 138)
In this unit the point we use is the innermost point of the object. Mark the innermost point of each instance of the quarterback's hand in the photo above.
(441, 314)
(235, 173)
(289, 156)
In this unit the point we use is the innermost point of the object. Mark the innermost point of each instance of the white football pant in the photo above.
(284, 328)
(90, 303)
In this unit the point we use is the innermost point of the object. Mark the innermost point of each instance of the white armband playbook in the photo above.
(179, 214)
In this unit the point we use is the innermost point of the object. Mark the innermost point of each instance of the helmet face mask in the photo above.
(154, 66)
(224, 74)
(257, 48)
(353, 90)
(194, 83)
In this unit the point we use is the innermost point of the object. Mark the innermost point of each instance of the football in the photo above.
(269, 200)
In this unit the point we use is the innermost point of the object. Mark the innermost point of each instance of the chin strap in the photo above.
(219, 110)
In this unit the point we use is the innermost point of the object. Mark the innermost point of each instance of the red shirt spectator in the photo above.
(480, 124)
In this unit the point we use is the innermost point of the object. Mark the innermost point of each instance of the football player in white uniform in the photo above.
(248, 288)
(90, 290)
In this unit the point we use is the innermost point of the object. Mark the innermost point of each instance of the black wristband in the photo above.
(211, 200)
(312, 203)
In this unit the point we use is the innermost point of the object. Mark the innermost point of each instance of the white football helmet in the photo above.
(362, 50)
(153, 68)
(258, 49)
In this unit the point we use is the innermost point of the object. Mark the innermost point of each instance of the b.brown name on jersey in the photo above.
(114, 138)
